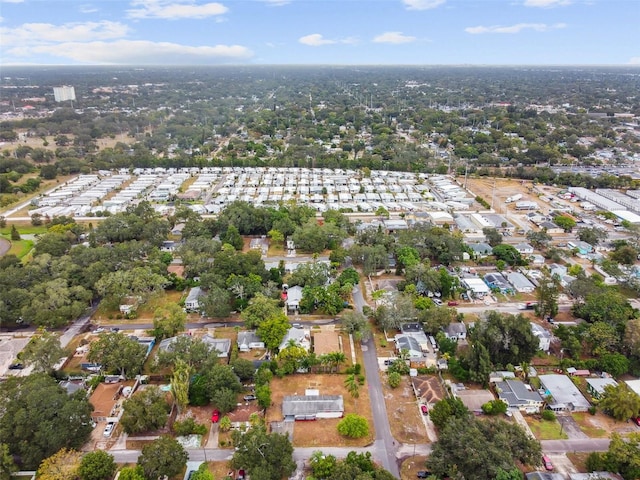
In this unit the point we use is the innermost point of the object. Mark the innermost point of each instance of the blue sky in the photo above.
(366, 32)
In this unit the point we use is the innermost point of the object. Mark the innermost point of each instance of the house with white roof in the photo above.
(595, 386)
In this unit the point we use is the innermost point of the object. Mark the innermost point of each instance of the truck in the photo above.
(513, 198)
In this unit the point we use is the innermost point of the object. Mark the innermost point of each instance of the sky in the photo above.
(320, 32)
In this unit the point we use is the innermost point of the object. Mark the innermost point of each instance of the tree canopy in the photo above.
(264, 456)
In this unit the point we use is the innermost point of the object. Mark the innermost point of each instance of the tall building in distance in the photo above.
(64, 93)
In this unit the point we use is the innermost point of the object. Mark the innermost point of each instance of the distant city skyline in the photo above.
(320, 32)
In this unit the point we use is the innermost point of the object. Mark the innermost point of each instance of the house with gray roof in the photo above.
(517, 394)
(544, 476)
(249, 341)
(410, 344)
(594, 476)
(221, 345)
(565, 395)
(312, 407)
(524, 248)
(521, 283)
(496, 280)
(595, 386)
(297, 336)
(544, 336)
(191, 303)
(456, 331)
(294, 295)
(481, 249)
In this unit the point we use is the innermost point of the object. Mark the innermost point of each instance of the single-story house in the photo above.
(524, 248)
(312, 407)
(521, 283)
(544, 476)
(177, 230)
(456, 331)
(294, 295)
(474, 399)
(410, 344)
(543, 335)
(517, 394)
(565, 395)
(220, 345)
(191, 303)
(71, 387)
(595, 386)
(559, 270)
(551, 228)
(496, 280)
(480, 250)
(634, 385)
(537, 259)
(298, 336)
(476, 285)
(594, 476)
(583, 248)
(495, 377)
(326, 341)
(249, 341)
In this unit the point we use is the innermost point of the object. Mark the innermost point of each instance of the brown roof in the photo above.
(428, 388)
(474, 399)
(177, 269)
(326, 342)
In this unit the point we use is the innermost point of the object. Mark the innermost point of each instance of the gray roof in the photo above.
(454, 329)
(411, 327)
(194, 293)
(222, 345)
(248, 337)
(406, 342)
(71, 387)
(310, 405)
(497, 279)
(544, 476)
(518, 280)
(539, 331)
(598, 384)
(480, 247)
(594, 476)
(563, 390)
(516, 393)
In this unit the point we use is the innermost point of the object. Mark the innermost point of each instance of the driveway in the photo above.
(570, 427)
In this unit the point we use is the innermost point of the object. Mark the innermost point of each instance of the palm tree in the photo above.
(335, 359)
(353, 387)
(225, 424)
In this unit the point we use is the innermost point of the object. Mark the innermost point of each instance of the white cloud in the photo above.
(546, 3)
(136, 52)
(87, 8)
(422, 4)
(38, 33)
(394, 38)
(315, 40)
(634, 61)
(171, 10)
(517, 28)
(277, 3)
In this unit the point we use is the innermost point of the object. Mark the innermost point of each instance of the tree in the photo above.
(39, 418)
(447, 409)
(260, 309)
(494, 407)
(232, 237)
(601, 338)
(547, 294)
(187, 348)
(15, 235)
(489, 446)
(538, 239)
(43, 351)
(493, 236)
(322, 466)
(243, 368)
(168, 321)
(479, 364)
(117, 352)
(623, 455)
(398, 310)
(264, 456)
(7, 465)
(620, 402)
(508, 254)
(145, 411)
(97, 465)
(273, 330)
(202, 473)
(353, 426)
(219, 377)
(131, 473)
(607, 305)
(625, 255)
(513, 474)
(216, 302)
(162, 457)
(225, 424)
(565, 222)
(3, 221)
(592, 235)
(356, 324)
(632, 336)
(352, 385)
(62, 465)
(263, 396)
(224, 399)
(394, 379)
(137, 282)
(180, 380)
(276, 236)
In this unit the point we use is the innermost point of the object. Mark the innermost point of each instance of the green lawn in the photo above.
(20, 248)
(24, 230)
(544, 430)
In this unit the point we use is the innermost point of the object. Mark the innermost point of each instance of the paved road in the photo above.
(384, 447)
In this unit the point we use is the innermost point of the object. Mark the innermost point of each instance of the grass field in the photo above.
(544, 430)
(20, 248)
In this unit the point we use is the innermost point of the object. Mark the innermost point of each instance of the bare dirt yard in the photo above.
(403, 412)
(323, 431)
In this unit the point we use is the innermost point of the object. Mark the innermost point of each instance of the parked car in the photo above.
(424, 409)
(546, 461)
(16, 366)
(452, 303)
(437, 301)
(423, 474)
(108, 430)
(636, 420)
(215, 416)
(248, 398)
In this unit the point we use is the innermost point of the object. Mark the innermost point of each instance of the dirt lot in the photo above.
(601, 425)
(324, 431)
(499, 189)
(404, 414)
(410, 466)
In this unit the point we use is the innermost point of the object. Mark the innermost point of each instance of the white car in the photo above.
(108, 430)
(437, 301)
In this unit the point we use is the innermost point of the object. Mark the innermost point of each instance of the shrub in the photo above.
(548, 415)
(188, 426)
(592, 410)
(353, 426)
(394, 379)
